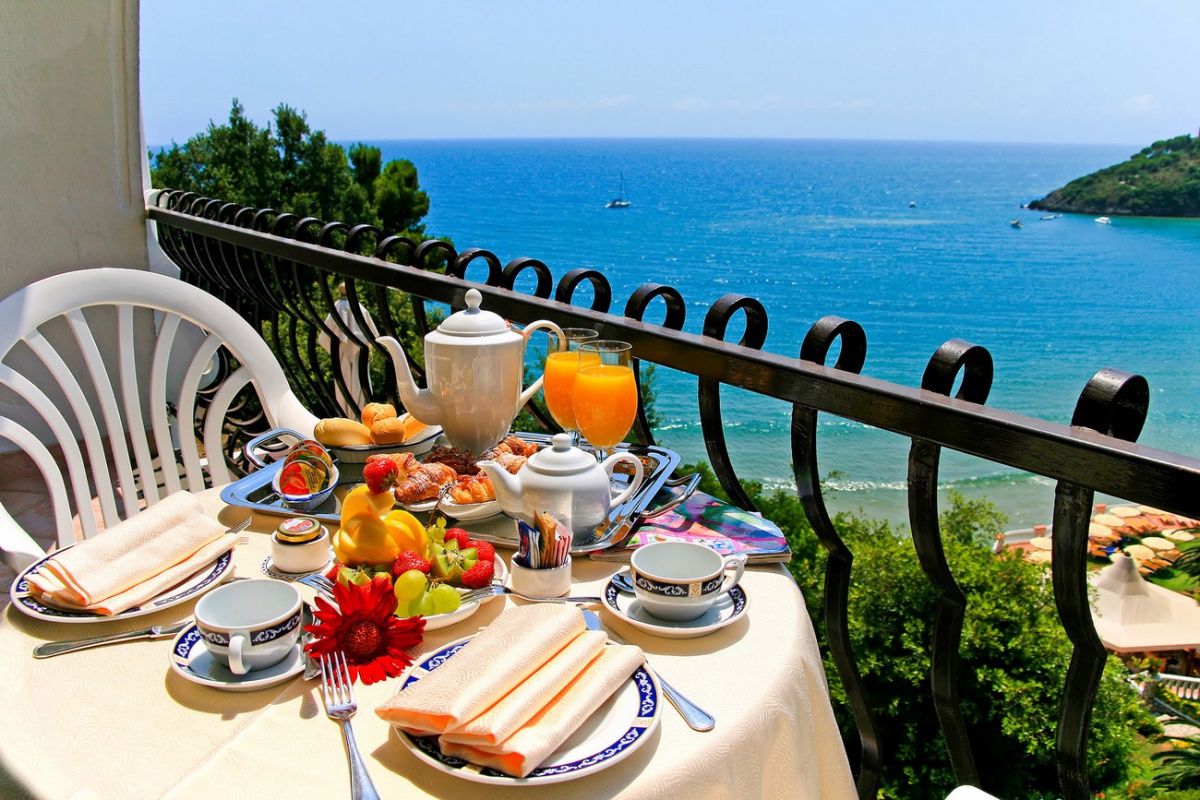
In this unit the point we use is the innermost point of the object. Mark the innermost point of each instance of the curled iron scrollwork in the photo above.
(974, 363)
(838, 568)
(716, 322)
(1115, 404)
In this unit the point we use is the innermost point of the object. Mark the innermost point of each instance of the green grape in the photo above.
(427, 605)
(445, 599)
(409, 588)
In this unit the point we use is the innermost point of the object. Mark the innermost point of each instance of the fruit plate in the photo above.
(438, 621)
(206, 578)
(612, 733)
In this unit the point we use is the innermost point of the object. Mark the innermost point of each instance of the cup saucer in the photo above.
(727, 610)
(191, 660)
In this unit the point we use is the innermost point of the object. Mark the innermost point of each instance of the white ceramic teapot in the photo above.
(565, 482)
(474, 363)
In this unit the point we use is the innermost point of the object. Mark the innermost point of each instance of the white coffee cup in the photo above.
(250, 625)
(679, 581)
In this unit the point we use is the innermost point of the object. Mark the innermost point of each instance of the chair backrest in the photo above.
(105, 366)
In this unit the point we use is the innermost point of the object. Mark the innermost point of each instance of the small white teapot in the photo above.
(564, 481)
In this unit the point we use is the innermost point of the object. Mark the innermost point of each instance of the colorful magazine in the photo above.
(715, 523)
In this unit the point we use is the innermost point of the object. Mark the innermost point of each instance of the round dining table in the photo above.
(119, 722)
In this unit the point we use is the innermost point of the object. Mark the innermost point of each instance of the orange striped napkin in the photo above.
(513, 694)
(134, 560)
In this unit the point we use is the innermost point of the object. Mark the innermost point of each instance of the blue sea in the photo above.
(830, 227)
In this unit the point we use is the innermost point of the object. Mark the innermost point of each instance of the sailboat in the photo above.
(619, 201)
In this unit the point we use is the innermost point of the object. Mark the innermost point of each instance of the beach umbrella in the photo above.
(1133, 615)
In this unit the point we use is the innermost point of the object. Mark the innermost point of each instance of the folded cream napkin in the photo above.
(483, 672)
(533, 742)
(532, 695)
(134, 560)
(517, 691)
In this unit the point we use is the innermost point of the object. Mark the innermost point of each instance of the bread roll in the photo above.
(338, 432)
(388, 430)
(373, 412)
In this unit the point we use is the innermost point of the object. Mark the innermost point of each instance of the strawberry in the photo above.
(484, 549)
(460, 536)
(333, 571)
(409, 560)
(380, 474)
(479, 575)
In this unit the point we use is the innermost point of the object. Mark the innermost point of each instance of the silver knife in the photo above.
(47, 649)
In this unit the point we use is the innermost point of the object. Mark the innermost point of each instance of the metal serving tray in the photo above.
(255, 492)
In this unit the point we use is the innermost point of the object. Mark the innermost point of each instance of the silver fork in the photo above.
(337, 691)
(319, 582)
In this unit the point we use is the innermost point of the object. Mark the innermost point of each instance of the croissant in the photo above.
(511, 461)
(423, 483)
(472, 489)
(458, 460)
(511, 444)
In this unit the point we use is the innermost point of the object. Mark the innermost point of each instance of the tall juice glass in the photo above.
(605, 395)
(562, 365)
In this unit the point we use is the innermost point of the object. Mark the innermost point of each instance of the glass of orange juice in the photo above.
(562, 365)
(605, 395)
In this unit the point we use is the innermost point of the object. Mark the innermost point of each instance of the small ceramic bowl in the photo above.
(541, 582)
(306, 502)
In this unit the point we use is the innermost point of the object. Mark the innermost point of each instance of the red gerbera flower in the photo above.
(362, 625)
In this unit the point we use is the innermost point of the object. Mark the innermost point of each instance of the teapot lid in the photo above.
(474, 321)
(561, 458)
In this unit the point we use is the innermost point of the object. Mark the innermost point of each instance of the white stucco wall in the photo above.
(70, 139)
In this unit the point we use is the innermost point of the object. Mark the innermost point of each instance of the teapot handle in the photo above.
(639, 471)
(562, 343)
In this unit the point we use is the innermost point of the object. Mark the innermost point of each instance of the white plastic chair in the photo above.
(100, 356)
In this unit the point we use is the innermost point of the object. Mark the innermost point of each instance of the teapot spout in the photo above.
(506, 485)
(419, 402)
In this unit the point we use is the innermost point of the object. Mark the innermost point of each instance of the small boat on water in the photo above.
(1016, 223)
(619, 201)
(1051, 216)
(912, 204)
(1104, 220)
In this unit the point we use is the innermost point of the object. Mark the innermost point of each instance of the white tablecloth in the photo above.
(117, 722)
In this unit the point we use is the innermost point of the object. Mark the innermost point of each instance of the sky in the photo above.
(1064, 71)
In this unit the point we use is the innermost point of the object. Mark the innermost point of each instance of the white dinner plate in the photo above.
(206, 578)
(727, 610)
(613, 732)
(191, 660)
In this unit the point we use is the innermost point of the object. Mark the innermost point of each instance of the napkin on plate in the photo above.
(518, 706)
(513, 694)
(134, 560)
(483, 672)
(533, 742)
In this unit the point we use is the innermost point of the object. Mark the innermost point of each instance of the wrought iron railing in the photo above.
(282, 272)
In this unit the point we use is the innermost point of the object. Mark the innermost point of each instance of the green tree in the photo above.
(292, 168)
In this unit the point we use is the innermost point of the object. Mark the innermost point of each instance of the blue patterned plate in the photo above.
(191, 660)
(725, 611)
(613, 732)
(208, 577)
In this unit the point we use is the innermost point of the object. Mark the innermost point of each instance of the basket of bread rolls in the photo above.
(380, 430)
